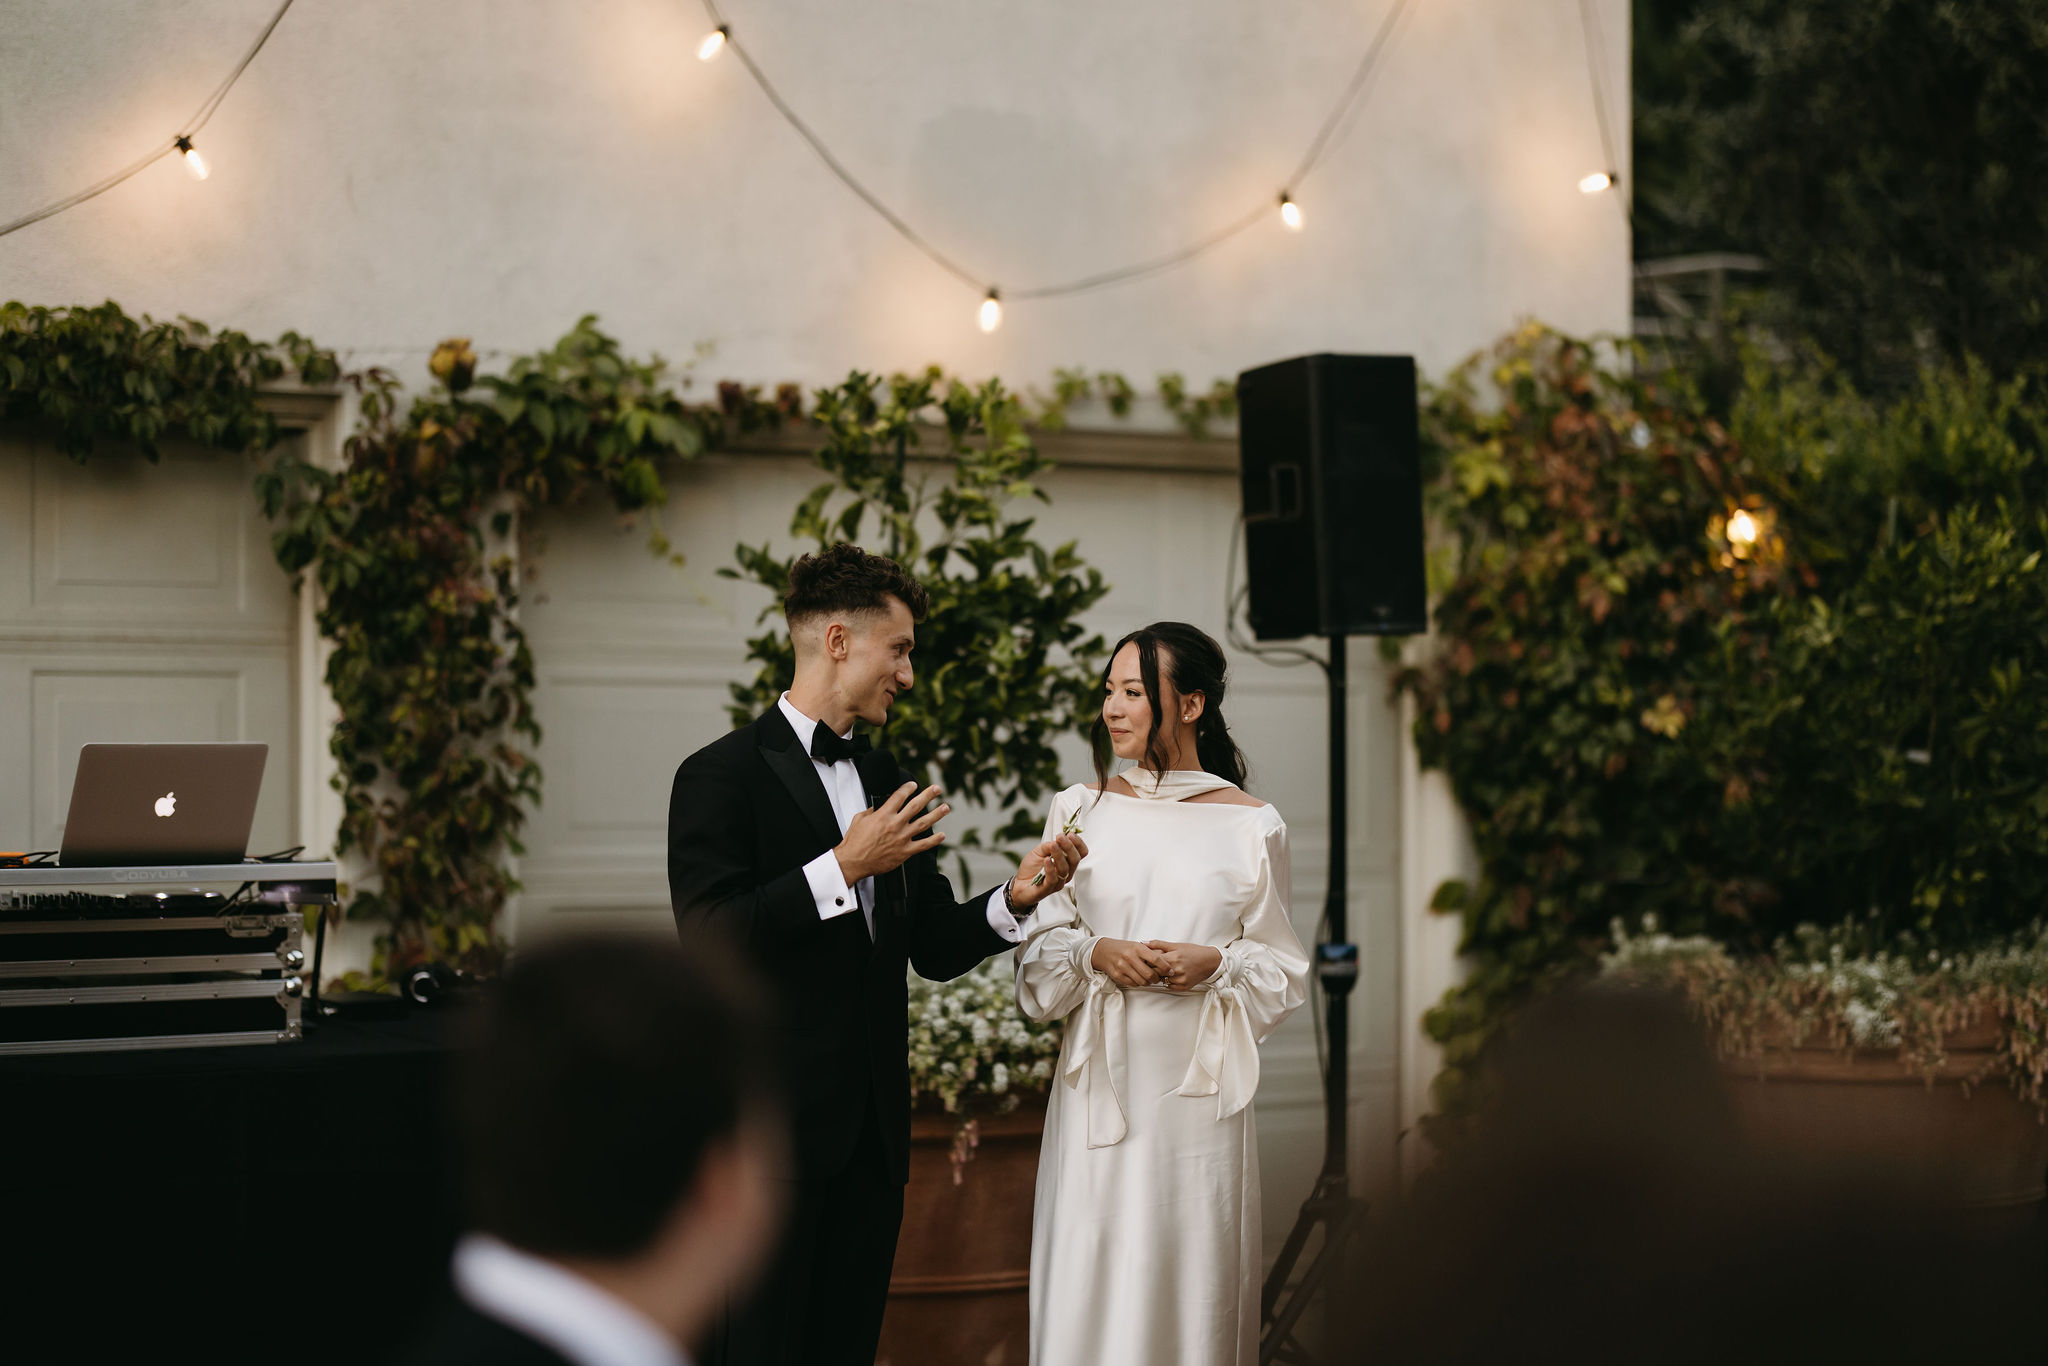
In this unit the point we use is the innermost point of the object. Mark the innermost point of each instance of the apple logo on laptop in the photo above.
(167, 804)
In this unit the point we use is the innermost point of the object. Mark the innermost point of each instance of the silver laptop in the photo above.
(135, 806)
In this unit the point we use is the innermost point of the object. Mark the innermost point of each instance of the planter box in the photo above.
(958, 1295)
(1960, 1138)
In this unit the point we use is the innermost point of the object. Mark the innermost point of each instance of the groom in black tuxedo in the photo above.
(816, 853)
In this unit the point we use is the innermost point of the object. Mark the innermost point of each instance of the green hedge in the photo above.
(1844, 722)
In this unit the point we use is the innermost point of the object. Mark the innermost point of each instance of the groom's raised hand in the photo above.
(889, 836)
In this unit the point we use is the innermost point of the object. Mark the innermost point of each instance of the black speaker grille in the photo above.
(1348, 558)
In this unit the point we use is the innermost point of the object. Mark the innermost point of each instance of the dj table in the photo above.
(159, 1191)
(105, 959)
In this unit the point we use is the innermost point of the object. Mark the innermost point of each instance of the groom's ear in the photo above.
(837, 640)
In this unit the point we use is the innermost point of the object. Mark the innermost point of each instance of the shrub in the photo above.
(1832, 718)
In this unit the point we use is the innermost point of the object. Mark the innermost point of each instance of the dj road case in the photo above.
(111, 959)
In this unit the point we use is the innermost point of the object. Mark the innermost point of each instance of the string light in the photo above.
(181, 144)
(1596, 182)
(990, 313)
(717, 40)
(1741, 529)
(194, 162)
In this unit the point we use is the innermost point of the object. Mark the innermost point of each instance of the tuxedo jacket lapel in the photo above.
(793, 766)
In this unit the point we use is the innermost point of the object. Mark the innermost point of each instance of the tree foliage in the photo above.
(412, 547)
(1640, 715)
(1895, 742)
(90, 376)
(1004, 665)
(1885, 157)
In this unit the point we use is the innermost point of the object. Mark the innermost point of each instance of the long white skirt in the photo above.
(1147, 1252)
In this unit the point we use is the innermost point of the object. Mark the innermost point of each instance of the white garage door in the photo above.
(138, 602)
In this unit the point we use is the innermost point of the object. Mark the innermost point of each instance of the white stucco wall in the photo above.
(389, 173)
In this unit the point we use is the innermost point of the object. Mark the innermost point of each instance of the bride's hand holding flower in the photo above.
(1046, 869)
(1072, 827)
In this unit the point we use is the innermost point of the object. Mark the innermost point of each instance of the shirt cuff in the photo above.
(828, 886)
(1001, 921)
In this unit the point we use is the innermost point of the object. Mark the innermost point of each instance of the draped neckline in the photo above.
(1172, 785)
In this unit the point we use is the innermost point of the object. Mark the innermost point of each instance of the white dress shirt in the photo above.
(555, 1306)
(827, 879)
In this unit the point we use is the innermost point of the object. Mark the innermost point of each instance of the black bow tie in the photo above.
(828, 748)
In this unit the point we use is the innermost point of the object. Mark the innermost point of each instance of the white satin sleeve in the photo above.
(1057, 980)
(1262, 979)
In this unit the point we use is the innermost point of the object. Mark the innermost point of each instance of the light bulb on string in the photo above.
(194, 162)
(1596, 182)
(714, 43)
(1742, 530)
(1290, 212)
(991, 315)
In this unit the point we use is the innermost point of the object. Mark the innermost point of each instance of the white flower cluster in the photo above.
(1864, 992)
(1653, 949)
(970, 1047)
(1839, 975)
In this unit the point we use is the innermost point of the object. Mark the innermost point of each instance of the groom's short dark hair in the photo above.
(845, 578)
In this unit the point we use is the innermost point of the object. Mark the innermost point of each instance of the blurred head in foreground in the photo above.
(1612, 1211)
(616, 1113)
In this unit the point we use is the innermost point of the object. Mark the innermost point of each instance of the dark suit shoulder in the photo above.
(726, 753)
(461, 1336)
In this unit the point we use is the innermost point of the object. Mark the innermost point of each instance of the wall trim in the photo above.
(1153, 452)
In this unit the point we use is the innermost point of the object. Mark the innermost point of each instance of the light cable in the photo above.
(169, 145)
(1102, 279)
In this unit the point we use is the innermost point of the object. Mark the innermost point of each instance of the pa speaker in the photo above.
(1332, 497)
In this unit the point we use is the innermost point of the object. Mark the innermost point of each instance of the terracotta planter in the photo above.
(1964, 1139)
(957, 1295)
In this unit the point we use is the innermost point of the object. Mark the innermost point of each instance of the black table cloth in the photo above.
(285, 1203)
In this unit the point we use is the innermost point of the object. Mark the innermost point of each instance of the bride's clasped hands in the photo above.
(1156, 962)
(1128, 962)
(1184, 967)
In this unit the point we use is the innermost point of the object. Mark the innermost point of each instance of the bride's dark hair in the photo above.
(1194, 664)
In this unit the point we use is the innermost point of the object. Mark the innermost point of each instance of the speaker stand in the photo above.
(1330, 1206)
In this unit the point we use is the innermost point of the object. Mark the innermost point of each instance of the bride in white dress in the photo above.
(1170, 956)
